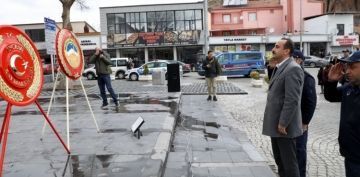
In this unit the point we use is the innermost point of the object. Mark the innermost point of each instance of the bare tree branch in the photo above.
(62, 1)
(82, 4)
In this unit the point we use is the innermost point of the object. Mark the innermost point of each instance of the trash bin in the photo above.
(158, 78)
(173, 72)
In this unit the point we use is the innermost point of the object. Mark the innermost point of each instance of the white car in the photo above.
(158, 65)
(118, 67)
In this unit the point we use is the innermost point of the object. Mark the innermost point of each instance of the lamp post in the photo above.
(206, 30)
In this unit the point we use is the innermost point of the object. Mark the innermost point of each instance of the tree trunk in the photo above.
(66, 16)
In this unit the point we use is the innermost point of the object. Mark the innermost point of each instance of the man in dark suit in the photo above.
(282, 117)
(308, 105)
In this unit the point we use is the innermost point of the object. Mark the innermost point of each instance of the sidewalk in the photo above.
(206, 145)
(203, 144)
(113, 152)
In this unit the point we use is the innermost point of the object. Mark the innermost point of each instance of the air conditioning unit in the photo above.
(235, 2)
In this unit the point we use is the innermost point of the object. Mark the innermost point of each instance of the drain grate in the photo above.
(222, 88)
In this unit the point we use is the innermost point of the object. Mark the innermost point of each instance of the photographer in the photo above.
(102, 63)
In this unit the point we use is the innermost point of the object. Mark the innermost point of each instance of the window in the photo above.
(226, 18)
(121, 62)
(252, 16)
(223, 58)
(37, 35)
(246, 56)
(113, 63)
(340, 28)
(150, 65)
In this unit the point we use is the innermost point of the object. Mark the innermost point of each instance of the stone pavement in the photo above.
(247, 112)
(205, 144)
(113, 152)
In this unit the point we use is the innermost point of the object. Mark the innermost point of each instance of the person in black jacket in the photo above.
(349, 95)
(308, 105)
(212, 69)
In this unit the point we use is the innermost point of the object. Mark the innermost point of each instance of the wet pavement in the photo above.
(115, 151)
(182, 135)
(205, 144)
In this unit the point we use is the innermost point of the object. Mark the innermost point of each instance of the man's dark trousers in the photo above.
(352, 168)
(301, 142)
(284, 150)
(104, 80)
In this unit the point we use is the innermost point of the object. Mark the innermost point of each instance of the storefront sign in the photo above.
(153, 38)
(87, 42)
(346, 40)
(234, 39)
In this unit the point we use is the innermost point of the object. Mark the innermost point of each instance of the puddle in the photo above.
(77, 104)
(188, 123)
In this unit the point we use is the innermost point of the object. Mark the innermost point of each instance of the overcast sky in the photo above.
(34, 11)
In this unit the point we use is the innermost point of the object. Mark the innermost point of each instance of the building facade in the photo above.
(87, 36)
(338, 27)
(149, 32)
(258, 24)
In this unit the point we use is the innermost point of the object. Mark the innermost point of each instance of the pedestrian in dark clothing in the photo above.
(320, 79)
(212, 70)
(102, 63)
(349, 95)
(308, 105)
(282, 116)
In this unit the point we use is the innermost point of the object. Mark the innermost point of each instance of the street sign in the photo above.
(50, 35)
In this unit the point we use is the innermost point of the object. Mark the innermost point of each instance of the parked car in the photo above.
(118, 67)
(47, 68)
(157, 65)
(185, 67)
(239, 63)
(314, 61)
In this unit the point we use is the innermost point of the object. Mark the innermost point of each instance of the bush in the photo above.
(255, 75)
(146, 70)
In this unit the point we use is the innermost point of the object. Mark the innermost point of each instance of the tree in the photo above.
(67, 4)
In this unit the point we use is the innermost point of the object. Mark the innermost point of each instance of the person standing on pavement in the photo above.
(102, 63)
(308, 105)
(349, 96)
(212, 70)
(282, 116)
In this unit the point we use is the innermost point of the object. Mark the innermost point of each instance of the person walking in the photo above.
(308, 105)
(102, 63)
(282, 116)
(212, 70)
(349, 96)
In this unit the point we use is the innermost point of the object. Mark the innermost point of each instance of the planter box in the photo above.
(257, 83)
(145, 77)
(221, 78)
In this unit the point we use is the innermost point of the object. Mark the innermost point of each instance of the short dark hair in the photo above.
(209, 51)
(289, 44)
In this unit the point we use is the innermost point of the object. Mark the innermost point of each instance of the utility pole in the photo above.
(206, 30)
(301, 28)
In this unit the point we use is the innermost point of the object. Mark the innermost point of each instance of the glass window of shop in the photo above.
(223, 48)
(189, 54)
(157, 21)
(161, 53)
(136, 54)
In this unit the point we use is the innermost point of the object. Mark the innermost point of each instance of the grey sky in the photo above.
(27, 11)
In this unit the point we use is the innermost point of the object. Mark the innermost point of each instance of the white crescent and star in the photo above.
(13, 66)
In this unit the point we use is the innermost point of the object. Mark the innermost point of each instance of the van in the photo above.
(236, 64)
(118, 67)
